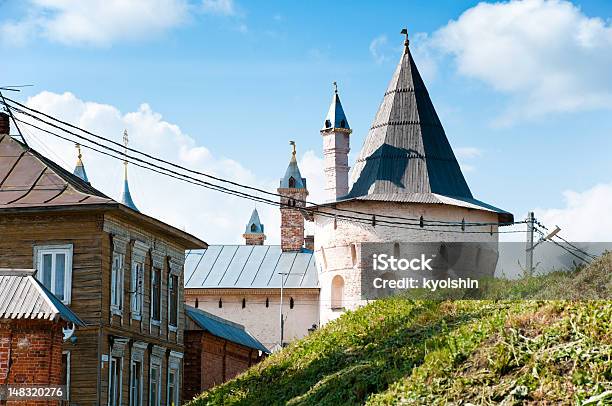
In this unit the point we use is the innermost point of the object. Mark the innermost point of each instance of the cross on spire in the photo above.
(126, 141)
(78, 147)
(335, 87)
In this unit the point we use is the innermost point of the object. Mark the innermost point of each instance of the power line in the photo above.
(435, 222)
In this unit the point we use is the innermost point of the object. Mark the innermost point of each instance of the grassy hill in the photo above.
(401, 351)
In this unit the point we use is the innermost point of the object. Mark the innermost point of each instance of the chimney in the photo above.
(309, 242)
(4, 123)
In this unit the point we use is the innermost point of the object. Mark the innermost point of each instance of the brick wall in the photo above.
(30, 353)
(292, 219)
(210, 361)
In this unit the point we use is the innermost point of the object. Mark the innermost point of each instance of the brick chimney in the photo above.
(293, 198)
(4, 123)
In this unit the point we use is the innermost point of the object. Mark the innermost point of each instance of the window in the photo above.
(291, 182)
(114, 385)
(156, 294)
(243, 303)
(66, 372)
(136, 383)
(291, 303)
(220, 303)
(137, 289)
(267, 302)
(54, 269)
(337, 292)
(173, 387)
(197, 304)
(173, 300)
(154, 384)
(253, 227)
(117, 283)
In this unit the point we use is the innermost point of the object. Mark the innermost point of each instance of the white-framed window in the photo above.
(136, 383)
(117, 283)
(155, 382)
(114, 381)
(156, 275)
(173, 293)
(173, 387)
(174, 378)
(54, 269)
(137, 289)
(66, 372)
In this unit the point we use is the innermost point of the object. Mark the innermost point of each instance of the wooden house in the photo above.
(119, 270)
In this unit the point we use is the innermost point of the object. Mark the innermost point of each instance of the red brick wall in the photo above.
(30, 353)
(210, 361)
(292, 219)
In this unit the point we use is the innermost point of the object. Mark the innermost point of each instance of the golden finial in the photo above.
(292, 143)
(78, 147)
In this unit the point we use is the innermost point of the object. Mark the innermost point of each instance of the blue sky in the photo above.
(242, 78)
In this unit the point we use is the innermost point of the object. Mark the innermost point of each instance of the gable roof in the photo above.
(24, 297)
(249, 266)
(31, 181)
(223, 328)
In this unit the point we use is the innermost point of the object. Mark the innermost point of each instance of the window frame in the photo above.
(174, 364)
(155, 363)
(117, 281)
(173, 327)
(68, 361)
(133, 363)
(118, 385)
(137, 288)
(158, 271)
(53, 249)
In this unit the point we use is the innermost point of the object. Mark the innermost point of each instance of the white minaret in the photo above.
(336, 132)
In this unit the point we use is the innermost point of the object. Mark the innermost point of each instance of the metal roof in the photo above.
(23, 297)
(406, 154)
(79, 170)
(249, 266)
(254, 225)
(30, 181)
(335, 116)
(126, 197)
(293, 172)
(225, 329)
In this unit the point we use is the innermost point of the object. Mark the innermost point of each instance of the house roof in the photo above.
(23, 297)
(225, 329)
(249, 266)
(29, 181)
(406, 154)
(335, 116)
(254, 225)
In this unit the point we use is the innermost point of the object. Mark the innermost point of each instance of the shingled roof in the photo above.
(406, 156)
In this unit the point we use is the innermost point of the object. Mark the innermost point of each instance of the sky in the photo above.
(523, 89)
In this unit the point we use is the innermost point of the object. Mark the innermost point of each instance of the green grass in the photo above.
(428, 352)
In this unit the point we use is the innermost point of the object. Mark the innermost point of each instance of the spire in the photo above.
(254, 225)
(126, 198)
(79, 169)
(406, 150)
(335, 116)
(293, 179)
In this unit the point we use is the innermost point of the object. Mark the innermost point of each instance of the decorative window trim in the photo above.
(120, 243)
(175, 266)
(110, 376)
(157, 258)
(69, 251)
(117, 308)
(155, 361)
(138, 351)
(119, 346)
(174, 364)
(139, 255)
(171, 327)
(139, 250)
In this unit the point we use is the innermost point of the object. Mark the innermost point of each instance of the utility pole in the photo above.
(530, 247)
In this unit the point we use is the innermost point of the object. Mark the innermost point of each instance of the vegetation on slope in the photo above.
(399, 351)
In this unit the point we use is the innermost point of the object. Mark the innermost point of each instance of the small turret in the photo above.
(79, 169)
(293, 199)
(254, 231)
(126, 198)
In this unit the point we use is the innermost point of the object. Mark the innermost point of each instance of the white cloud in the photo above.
(378, 48)
(96, 22)
(546, 54)
(219, 7)
(585, 216)
(214, 217)
(464, 155)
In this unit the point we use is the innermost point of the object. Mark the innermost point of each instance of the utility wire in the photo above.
(457, 223)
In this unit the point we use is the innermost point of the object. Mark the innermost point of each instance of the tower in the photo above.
(293, 198)
(336, 132)
(79, 169)
(254, 231)
(126, 198)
